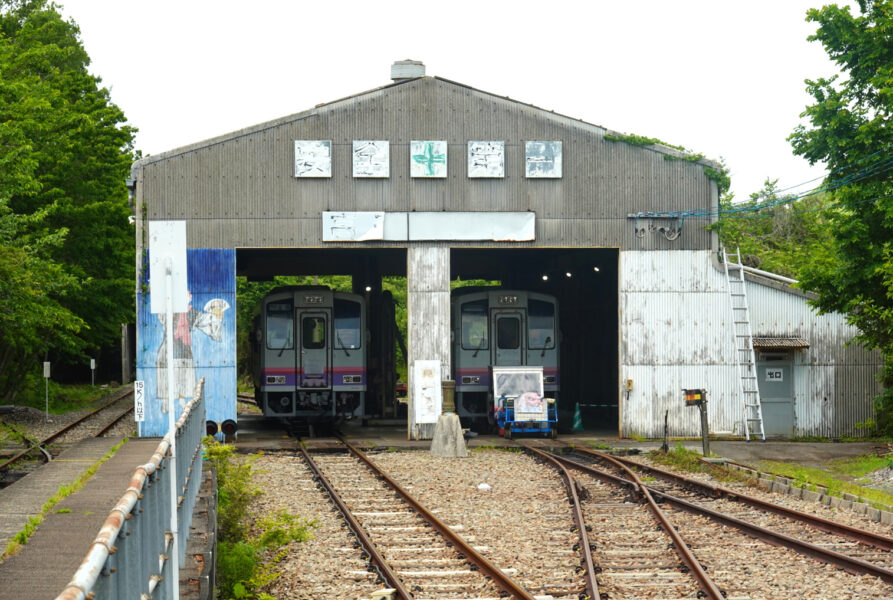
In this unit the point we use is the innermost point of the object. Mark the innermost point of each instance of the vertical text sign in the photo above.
(46, 370)
(139, 401)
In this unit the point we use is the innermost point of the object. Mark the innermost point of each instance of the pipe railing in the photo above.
(130, 556)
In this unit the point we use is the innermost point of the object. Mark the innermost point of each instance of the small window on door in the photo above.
(508, 333)
(313, 333)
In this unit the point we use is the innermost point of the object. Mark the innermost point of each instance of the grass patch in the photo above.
(861, 465)
(682, 459)
(810, 478)
(600, 446)
(64, 398)
(22, 537)
(247, 552)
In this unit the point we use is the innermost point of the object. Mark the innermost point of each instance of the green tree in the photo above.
(775, 232)
(849, 129)
(65, 152)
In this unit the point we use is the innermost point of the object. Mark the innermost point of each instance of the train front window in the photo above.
(540, 324)
(508, 333)
(280, 326)
(474, 325)
(347, 324)
(313, 333)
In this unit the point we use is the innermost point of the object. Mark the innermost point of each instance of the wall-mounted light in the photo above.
(368, 288)
(545, 278)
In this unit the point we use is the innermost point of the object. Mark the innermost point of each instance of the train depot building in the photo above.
(436, 181)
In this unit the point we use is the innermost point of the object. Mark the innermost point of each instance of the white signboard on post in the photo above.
(167, 241)
(426, 392)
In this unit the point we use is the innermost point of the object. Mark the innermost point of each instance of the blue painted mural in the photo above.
(204, 342)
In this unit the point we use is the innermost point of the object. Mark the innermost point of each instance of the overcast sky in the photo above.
(719, 77)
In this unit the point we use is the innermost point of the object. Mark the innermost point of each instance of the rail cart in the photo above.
(519, 405)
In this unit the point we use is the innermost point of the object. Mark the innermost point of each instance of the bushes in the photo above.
(246, 561)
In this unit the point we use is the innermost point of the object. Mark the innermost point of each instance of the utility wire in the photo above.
(879, 167)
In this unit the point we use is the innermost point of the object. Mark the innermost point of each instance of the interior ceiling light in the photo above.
(595, 269)
(568, 274)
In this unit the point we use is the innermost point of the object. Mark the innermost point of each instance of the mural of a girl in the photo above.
(208, 321)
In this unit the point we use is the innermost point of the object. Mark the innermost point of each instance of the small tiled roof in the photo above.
(779, 342)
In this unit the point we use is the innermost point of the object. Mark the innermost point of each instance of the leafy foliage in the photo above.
(66, 248)
(234, 490)
(849, 129)
(774, 232)
(247, 553)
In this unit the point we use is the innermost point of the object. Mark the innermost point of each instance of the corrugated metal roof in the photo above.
(780, 342)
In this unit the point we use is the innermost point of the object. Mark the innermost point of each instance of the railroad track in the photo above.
(637, 550)
(415, 553)
(94, 424)
(741, 556)
(858, 544)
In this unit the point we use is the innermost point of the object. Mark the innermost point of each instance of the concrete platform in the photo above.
(45, 565)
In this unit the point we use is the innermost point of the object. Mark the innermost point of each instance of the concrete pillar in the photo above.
(428, 315)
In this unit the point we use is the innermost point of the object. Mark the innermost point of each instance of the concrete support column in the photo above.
(428, 316)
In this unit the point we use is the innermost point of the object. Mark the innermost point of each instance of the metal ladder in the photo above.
(747, 368)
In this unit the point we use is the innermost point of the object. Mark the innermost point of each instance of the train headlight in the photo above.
(276, 379)
(549, 379)
(352, 379)
(228, 427)
(211, 428)
(471, 379)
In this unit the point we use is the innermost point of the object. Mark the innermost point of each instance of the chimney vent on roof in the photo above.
(407, 69)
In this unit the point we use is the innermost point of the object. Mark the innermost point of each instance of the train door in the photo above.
(314, 357)
(507, 333)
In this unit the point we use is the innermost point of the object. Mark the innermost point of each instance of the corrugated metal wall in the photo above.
(676, 333)
(674, 313)
(239, 190)
(833, 382)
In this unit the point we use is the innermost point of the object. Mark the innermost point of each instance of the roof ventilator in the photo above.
(407, 69)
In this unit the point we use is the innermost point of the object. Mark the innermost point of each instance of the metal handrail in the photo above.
(130, 555)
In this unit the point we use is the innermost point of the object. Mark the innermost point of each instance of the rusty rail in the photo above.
(704, 581)
(384, 569)
(39, 445)
(847, 563)
(485, 566)
(570, 482)
(853, 533)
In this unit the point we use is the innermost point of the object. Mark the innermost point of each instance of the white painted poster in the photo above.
(428, 159)
(371, 158)
(352, 226)
(426, 393)
(486, 159)
(313, 158)
(543, 159)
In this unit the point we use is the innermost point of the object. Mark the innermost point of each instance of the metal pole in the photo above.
(46, 396)
(174, 556)
(705, 440)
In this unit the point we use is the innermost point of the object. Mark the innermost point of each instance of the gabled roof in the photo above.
(598, 129)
